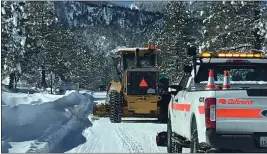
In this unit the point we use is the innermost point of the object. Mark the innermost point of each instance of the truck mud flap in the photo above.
(161, 139)
(206, 148)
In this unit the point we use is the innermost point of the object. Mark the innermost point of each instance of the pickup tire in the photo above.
(172, 147)
(115, 107)
(194, 147)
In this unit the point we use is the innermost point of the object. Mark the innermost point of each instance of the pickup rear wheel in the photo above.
(194, 148)
(172, 147)
(169, 134)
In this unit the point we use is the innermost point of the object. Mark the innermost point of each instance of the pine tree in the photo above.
(13, 40)
(40, 27)
(175, 38)
(231, 25)
(262, 25)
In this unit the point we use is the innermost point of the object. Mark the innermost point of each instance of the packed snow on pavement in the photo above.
(134, 135)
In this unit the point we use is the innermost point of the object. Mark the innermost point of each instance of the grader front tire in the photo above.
(115, 107)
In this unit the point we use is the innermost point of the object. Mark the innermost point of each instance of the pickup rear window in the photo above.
(237, 72)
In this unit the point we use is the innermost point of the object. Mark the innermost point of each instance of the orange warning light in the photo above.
(151, 47)
(143, 83)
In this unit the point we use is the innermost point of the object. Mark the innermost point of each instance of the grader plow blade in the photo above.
(101, 110)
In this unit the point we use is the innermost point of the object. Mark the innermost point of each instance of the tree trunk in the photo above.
(17, 76)
(44, 84)
(11, 80)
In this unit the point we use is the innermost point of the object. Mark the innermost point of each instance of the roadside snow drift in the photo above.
(38, 122)
(13, 99)
(99, 97)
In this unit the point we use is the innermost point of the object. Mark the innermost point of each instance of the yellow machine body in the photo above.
(133, 105)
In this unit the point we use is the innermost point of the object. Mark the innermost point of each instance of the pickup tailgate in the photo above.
(241, 111)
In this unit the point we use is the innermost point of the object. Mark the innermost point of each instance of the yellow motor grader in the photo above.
(138, 91)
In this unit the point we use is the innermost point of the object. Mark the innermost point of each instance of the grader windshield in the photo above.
(144, 58)
(145, 61)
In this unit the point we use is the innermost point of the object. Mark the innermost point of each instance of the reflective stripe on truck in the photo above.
(236, 112)
(187, 107)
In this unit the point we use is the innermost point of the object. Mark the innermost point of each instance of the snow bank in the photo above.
(5, 81)
(100, 94)
(23, 147)
(38, 122)
(26, 90)
(69, 92)
(12, 99)
(99, 97)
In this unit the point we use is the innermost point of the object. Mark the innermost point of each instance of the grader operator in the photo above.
(138, 91)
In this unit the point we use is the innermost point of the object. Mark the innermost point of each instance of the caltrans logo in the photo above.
(235, 101)
(222, 101)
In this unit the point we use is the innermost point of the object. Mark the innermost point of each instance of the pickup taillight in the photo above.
(210, 112)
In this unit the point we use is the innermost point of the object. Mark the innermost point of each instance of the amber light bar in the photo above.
(231, 55)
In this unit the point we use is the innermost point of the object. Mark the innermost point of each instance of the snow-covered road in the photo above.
(72, 132)
(131, 136)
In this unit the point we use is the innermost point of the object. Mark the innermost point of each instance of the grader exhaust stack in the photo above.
(137, 62)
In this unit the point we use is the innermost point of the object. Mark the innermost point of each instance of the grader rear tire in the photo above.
(115, 107)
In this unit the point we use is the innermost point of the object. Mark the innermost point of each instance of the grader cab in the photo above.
(137, 91)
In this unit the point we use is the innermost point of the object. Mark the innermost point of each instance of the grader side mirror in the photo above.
(174, 89)
(192, 51)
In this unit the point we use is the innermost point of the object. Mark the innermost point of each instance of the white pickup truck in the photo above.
(220, 120)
